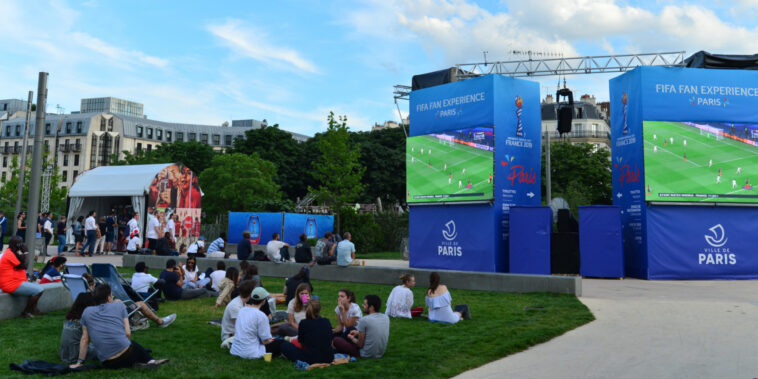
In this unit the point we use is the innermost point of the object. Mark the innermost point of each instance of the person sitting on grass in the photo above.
(401, 299)
(252, 333)
(227, 285)
(13, 276)
(291, 284)
(191, 275)
(51, 273)
(107, 326)
(438, 300)
(142, 280)
(218, 275)
(314, 334)
(303, 253)
(135, 243)
(296, 310)
(369, 340)
(348, 313)
(232, 310)
(173, 275)
(251, 273)
(71, 335)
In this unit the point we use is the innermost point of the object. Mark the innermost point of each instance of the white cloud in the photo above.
(115, 53)
(246, 41)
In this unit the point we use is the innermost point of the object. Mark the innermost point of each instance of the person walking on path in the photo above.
(90, 228)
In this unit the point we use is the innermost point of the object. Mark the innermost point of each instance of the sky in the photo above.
(292, 62)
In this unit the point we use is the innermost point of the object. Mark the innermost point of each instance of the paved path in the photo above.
(649, 329)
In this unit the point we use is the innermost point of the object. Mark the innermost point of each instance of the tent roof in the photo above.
(116, 180)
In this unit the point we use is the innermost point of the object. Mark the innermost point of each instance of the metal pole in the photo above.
(549, 183)
(22, 163)
(35, 179)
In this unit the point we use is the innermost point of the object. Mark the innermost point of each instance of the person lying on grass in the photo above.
(107, 325)
(369, 340)
(252, 333)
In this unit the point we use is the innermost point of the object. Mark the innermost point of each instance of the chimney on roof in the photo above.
(549, 99)
(588, 98)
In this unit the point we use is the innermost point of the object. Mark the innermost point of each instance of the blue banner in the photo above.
(452, 237)
(691, 242)
(458, 105)
(600, 248)
(530, 229)
(314, 226)
(260, 225)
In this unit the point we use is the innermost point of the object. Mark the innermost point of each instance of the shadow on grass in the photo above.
(502, 324)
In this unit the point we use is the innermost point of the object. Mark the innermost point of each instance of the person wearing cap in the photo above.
(135, 243)
(252, 333)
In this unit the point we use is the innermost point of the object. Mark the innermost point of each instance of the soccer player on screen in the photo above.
(710, 163)
(468, 185)
(718, 179)
(490, 179)
(655, 137)
(685, 143)
(445, 169)
(460, 183)
(655, 149)
(734, 183)
(463, 171)
(719, 171)
(739, 170)
(671, 139)
(685, 157)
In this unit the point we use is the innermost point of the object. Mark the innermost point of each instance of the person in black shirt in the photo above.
(303, 276)
(61, 233)
(174, 276)
(162, 245)
(244, 247)
(314, 333)
(303, 253)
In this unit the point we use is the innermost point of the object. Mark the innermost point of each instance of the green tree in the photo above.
(337, 170)
(278, 147)
(383, 155)
(580, 173)
(239, 182)
(195, 155)
(8, 191)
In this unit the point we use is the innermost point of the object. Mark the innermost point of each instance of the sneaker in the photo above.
(289, 338)
(168, 320)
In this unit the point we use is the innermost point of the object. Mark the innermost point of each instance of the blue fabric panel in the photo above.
(600, 248)
(530, 229)
(260, 225)
(314, 226)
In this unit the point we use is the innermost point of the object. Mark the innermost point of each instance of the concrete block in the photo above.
(55, 297)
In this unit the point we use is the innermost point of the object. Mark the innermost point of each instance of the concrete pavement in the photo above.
(649, 329)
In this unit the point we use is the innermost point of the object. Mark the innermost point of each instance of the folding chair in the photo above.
(75, 284)
(121, 290)
(76, 269)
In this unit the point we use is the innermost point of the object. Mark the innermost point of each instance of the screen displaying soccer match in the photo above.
(700, 162)
(450, 166)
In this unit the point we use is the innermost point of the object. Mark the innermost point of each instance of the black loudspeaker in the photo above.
(566, 222)
(564, 253)
(565, 111)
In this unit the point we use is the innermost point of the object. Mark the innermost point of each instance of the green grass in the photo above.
(380, 255)
(666, 171)
(501, 326)
(427, 174)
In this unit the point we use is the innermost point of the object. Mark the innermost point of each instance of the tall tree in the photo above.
(383, 155)
(278, 147)
(580, 172)
(239, 182)
(195, 155)
(338, 170)
(9, 189)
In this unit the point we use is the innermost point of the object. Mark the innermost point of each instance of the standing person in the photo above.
(153, 230)
(110, 232)
(171, 229)
(107, 324)
(400, 300)
(439, 301)
(348, 313)
(133, 224)
(61, 233)
(346, 252)
(3, 229)
(47, 229)
(21, 225)
(244, 247)
(274, 249)
(78, 235)
(252, 333)
(13, 276)
(369, 340)
(217, 248)
(90, 228)
(102, 228)
(314, 334)
(303, 252)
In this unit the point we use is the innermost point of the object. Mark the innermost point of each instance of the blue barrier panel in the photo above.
(530, 229)
(600, 248)
(260, 225)
(314, 226)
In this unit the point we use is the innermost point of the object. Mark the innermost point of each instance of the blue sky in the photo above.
(293, 62)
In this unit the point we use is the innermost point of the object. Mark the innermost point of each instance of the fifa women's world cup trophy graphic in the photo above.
(624, 101)
(519, 127)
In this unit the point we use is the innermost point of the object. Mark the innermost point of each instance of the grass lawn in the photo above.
(502, 325)
(380, 255)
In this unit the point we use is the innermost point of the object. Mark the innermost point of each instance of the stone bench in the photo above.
(55, 297)
(497, 282)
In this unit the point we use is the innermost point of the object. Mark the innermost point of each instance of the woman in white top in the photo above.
(401, 299)
(439, 302)
(190, 273)
(295, 311)
(348, 313)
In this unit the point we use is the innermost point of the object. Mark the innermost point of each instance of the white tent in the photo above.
(96, 189)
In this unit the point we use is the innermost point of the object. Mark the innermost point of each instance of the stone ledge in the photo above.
(55, 297)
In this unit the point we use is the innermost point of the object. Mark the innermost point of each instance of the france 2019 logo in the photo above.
(519, 126)
(625, 100)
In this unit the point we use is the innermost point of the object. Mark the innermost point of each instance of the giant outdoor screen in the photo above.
(700, 162)
(451, 166)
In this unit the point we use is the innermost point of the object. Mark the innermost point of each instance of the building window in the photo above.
(102, 124)
(149, 132)
(76, 159)
(65, 159)
(68, 127)
(228, 140)
(193, 136)
(139, 130)
(149, 147)
(110, 124)
(204, 138)
(3, 178)
(78, 126)
(65, 175)
(47, 128)
(7, 130)
(159, 134)
(5, 161)
(180, 136)
(168, 135)
(75, 174)
(216, 139)
(18, 130)
(115, 145)
(139, 145)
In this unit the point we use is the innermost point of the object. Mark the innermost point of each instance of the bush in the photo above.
(371, 233)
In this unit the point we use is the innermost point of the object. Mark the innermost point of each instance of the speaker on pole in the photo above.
(565, 110)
